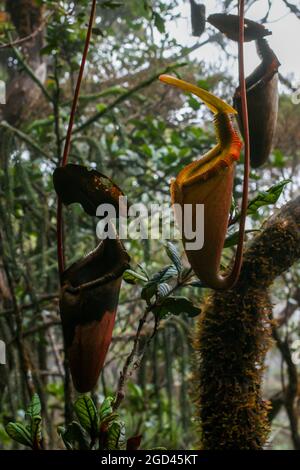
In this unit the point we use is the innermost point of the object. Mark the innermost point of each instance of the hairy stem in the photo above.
(233, 335)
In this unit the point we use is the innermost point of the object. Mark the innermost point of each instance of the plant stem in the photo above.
(31, 74)
(60, 236)
(26, 139)
(239, 252)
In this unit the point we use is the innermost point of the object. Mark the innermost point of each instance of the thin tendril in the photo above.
(64, 161)
(239, 252)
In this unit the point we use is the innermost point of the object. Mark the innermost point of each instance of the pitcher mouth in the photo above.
(88, 187)
(107, 261)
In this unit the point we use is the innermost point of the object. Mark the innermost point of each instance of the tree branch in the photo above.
(26, 139)
(291, 391)
(31, 74)
(124, 97)
(293, 8)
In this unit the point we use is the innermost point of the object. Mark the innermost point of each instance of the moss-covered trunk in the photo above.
(232, 337)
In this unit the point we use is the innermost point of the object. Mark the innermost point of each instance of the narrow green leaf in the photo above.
(194, 104)
(132, 277)
(35, 408)
(111, 4)
(36, 430)
(61, 430)
(197, 284)
(233, 239)
(143, 271)
(174, 256)
(265, 198)
(159, 22)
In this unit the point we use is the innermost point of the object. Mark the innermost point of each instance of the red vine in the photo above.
(242, 83)
(64, 161)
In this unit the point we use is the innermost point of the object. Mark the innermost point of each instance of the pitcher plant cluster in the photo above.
(200, 196)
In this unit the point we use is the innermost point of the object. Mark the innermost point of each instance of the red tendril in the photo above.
(60, 234)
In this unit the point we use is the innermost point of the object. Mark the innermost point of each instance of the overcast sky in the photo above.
(285, 39)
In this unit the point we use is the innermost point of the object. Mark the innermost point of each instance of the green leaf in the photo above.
(19, 433)
(135, 391)
(167, 273)
(176, 306)
(174, 256)
(74, 436)
(61, 430)
(278, 159)
(101, 107)
(143, 271)
(111, 4)
(159, 22)
(87, 414)
(98, 32)
(203, 83)
(36, 430)
(116, 439)
(233, 239)
(35, 408)
(194, 103)
(106, 422)
(268, 197)
(197, 283)
(47, 50)
(163, 290)
(132, 277)
(150, 289)
(106, 408)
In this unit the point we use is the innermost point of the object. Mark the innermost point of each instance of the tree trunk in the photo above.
(22, 93)
(232, 337)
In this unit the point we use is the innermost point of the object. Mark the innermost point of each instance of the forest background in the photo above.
(139, 132)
